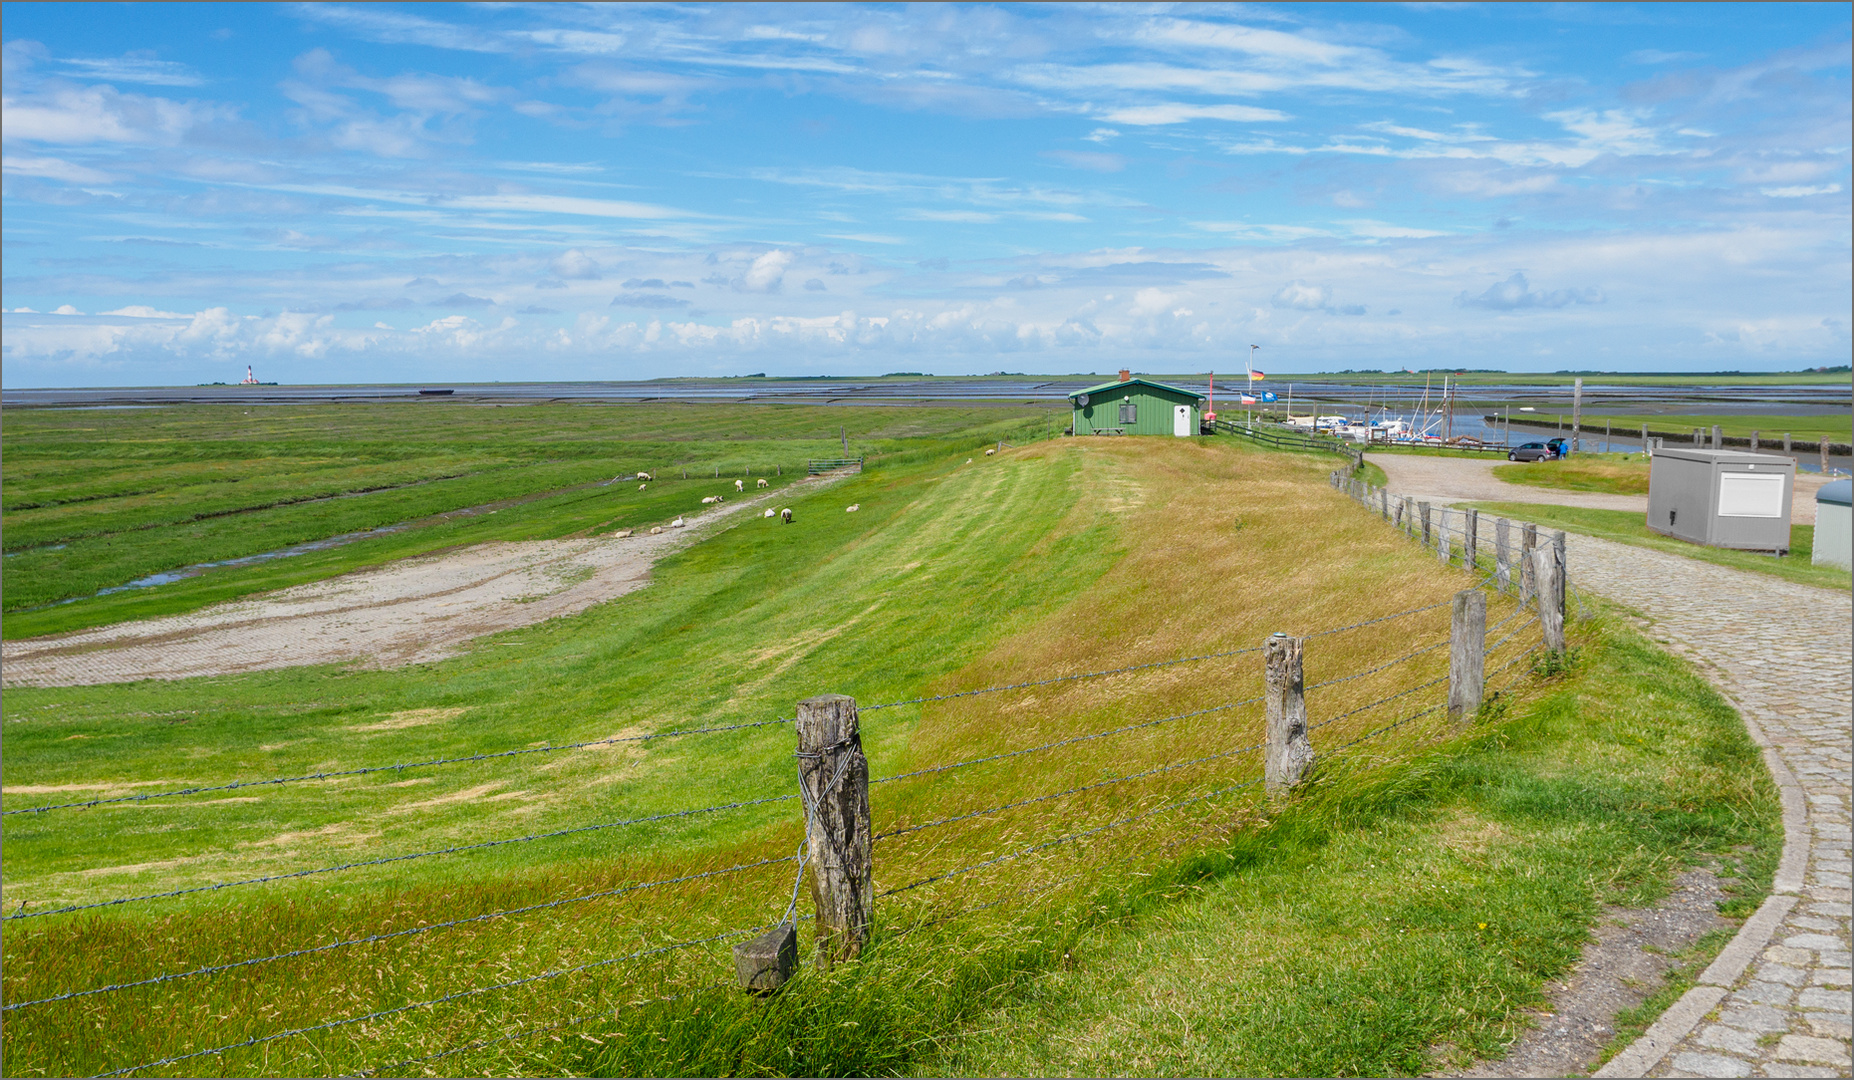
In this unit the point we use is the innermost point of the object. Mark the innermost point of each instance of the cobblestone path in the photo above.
(1777, 1001)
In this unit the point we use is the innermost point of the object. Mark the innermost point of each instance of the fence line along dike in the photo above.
(906, 873)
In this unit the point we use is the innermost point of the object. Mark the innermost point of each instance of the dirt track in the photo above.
(412, 611)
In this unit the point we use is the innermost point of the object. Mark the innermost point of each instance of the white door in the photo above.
(1181, 420)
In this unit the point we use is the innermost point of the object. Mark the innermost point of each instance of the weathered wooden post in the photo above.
(1528, 582)
(833, 781)
(1754, 440)
(1384, 503)
(1442, 536)
(1786, 442)
(1503, 556)
(1467, 655)
(1289, 751)
(1422, 508)
(1644, 438)
(1397, 518)
(1545, 574)
(1717, 437)
(1557, 549)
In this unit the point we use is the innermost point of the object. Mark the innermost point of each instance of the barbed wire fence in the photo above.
(862, 873)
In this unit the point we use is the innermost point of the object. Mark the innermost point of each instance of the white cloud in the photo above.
(766, 273)
(1514, 294)
(1177, 113)
(1381, 230)
(576, 265)
(51, 168)
(95, 114)
(65, 309)
(143, 311)
(136, 69)
(1801, 192)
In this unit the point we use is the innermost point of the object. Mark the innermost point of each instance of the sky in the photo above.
(410, 193)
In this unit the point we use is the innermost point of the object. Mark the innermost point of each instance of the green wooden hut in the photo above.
(1132, 406)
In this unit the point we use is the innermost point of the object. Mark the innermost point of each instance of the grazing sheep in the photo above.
(990, 452)
(852, 508)
(655, 529)
(740, 485)
(677, 524)
(710, 499)
(968, 461)
(770, 513)
(763, 483)
(645, 476)
(641, 487)
(785, 516)
(621, 534)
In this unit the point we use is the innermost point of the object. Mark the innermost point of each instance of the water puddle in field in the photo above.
(168, 577)
(22, 551)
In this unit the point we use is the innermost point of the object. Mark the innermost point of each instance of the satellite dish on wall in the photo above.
(1082, 400)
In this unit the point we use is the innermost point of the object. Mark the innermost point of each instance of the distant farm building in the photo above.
(1132, 406)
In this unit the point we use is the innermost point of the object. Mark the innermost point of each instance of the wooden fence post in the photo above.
(1548, 580)
(833, 780)
(1384, 503)
(1423, 509)
(1528, 540)
(1289, 751)
(1397, 516)
(1562, 579)
(1786, 442)
(1471, 527)
(1754, 441)
(1503, 555)
(1717, 438)
(1467, 655)
(1442, 535)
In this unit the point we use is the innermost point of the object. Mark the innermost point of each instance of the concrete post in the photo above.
(1289, 751)
(1786, 442)
(1754, 442)
(1467, 655)
(833, 780)
(1717, 437)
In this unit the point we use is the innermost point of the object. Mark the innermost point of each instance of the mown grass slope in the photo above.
(1616, 474)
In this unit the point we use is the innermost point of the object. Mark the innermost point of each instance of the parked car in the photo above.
(1532, 451)
(1558, 447)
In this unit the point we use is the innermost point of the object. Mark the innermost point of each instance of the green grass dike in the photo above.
(1614, 474)
(571, 910)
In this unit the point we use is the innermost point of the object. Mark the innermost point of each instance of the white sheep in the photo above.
(706, 499)
(992, 451)
(677, 524)
(968, 461)
(852, 508)
(655, 529)
(645, 476)
(770, 513)
(785, 516)
(641, 487)
(621, 534)
(763, 483)
(740, 485)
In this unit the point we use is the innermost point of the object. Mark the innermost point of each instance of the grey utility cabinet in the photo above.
(1722, 498)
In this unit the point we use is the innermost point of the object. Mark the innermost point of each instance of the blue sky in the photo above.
(418, 192)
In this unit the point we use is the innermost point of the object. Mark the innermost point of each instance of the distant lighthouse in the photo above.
(250, 379)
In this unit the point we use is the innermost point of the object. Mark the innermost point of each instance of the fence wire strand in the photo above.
(472, 992)
(401, 767)
(1058, 679)
(391, 935)
(456, 849)
(1065, 742)
(1071, 791)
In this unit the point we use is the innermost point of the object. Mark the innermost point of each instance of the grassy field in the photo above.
(1627, 526)
(1057, 558)
(1618, 474)
(95, 499)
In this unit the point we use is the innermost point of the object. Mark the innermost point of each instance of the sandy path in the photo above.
(1450, 480)
(412, 611)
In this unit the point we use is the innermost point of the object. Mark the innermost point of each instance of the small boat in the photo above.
(436, 393)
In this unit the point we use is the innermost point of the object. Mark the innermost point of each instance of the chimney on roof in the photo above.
(1125, 375)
